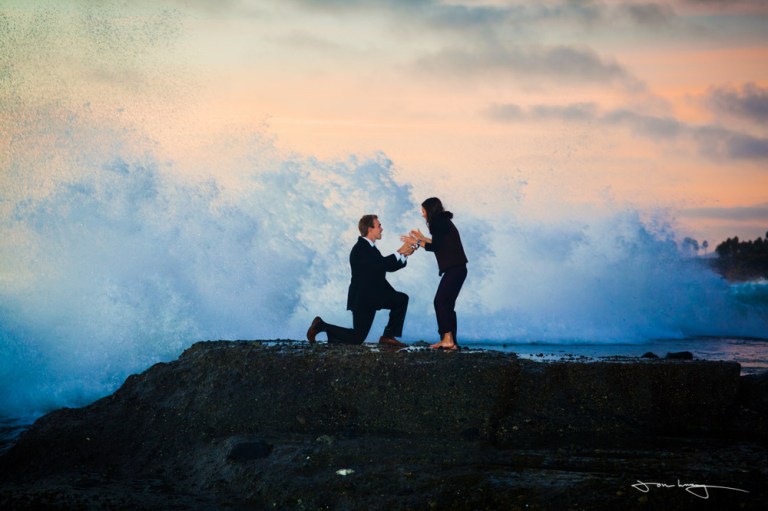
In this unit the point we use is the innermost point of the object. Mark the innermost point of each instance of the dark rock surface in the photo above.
(281, 425)
(680, 355)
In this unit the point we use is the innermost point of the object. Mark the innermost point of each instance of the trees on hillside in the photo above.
(743, 260)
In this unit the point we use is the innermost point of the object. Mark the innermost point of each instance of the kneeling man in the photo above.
(369, 290)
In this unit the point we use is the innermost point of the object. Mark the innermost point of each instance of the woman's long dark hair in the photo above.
(433, 207)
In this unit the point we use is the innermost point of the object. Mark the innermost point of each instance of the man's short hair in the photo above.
(365, 223)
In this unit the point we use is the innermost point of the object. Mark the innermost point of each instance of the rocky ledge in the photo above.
(285, 425)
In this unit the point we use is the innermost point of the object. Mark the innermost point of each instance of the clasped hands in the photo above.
(411, 242)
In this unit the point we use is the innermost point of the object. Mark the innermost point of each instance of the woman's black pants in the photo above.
(445, 299)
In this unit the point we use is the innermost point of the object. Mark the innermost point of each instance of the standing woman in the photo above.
(451, 263)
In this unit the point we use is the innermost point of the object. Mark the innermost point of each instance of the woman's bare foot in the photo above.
(447, 343)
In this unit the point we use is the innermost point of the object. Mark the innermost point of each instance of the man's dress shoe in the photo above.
(314, 329)
(390, 341)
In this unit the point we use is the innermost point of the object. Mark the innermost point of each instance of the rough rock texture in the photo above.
(280, 425)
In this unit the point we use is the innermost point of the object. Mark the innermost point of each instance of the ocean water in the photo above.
(114, 256)
(749, 353)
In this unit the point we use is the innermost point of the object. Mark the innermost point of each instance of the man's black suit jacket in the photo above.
(369, 287)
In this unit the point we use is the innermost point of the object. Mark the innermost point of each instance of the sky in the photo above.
(533, 109)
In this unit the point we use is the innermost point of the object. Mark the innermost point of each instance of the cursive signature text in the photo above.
(698, 490)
